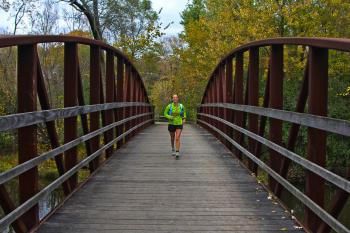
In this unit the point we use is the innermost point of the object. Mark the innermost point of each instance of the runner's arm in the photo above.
(185, 115)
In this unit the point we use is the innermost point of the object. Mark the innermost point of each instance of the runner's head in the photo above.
(175, 98)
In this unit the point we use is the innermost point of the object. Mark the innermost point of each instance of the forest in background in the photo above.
(181, 64)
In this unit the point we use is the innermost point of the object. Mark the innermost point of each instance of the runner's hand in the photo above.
(183, 121)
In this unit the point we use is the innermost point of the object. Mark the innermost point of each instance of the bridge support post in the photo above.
(127, 87)
(135, 97)
(228, 98)
(253, 97)
(215, 100)
(70, 100)
(210, 109)
(120, 87)
(139, 98)
(95, 70)
(316, 150)
(27, 136)
(110, 77)
(276, 102)
(220, 92)
(238, 99)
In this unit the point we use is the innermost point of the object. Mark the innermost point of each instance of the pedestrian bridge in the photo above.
(135, 185)
(144, 189)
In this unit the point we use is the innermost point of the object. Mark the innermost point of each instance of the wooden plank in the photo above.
(144, 189)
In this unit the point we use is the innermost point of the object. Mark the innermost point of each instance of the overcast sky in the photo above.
(170, 13)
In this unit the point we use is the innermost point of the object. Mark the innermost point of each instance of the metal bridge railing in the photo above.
(226, 108)
(123, 111)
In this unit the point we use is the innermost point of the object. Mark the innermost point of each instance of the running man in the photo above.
(176, 115)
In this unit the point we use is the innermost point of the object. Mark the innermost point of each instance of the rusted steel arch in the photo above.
(341, 44)
(16, 40)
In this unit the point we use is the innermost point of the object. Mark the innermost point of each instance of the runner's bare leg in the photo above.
(172, 139)
(177, 138)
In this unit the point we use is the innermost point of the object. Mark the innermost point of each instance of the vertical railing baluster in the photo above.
(220, 97)
(215, 100)
(120, 86)
(95, 68)
(110, 78)
(126, 97)
(138, 99)
(228, 98)
(212, 99)
(207, 109)
(253, 97)
(137, 121)
(27, 136)
(102, 101)
(316, 149)
(115, 111)
(141, 98)
(276, 102)
(238, 89)
(70, 100)
(134, 98)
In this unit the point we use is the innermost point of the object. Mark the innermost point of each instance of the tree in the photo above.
(193, 12)
(45, 20)
(134, 26)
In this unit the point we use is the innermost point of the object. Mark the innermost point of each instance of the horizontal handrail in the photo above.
(20, 210)
(14, 121)
(332, 125)
(23, 167)
(326, 217)
(324, 173)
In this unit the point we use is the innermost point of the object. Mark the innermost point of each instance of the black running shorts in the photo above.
(172, 128)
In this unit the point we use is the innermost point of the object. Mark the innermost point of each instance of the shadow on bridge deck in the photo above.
(142, 188)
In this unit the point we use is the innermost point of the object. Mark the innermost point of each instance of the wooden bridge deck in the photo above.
(144, 189)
